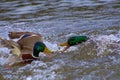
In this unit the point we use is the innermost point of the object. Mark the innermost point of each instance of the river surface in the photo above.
(56, 20)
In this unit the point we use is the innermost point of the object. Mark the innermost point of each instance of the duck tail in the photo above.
(14, 46)
(5, 43)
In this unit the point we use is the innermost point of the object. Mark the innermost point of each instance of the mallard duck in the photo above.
(27, 46)
(74, 40)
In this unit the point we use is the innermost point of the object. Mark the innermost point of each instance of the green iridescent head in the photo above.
(40, 47)
(75, 40)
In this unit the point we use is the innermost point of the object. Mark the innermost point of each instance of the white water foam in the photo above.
(56, 48)
(107, 44)
(4, 54)
(42, 70)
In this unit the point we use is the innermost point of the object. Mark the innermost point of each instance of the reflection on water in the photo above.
(56, 20)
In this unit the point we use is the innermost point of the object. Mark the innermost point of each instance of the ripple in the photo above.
(96, 59)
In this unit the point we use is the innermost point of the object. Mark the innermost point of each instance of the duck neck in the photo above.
(35, 54)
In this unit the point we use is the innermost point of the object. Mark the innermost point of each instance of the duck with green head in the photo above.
(74, 40)
(38, 47)
(28, 46)
(28, 55)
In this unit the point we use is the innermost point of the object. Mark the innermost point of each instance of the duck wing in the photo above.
(28, 42)
(13, 35)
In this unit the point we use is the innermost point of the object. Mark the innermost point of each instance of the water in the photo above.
(56, 20)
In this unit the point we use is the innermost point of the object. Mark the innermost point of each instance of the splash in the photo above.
(56, 48)
(107, 44)
(4, 54)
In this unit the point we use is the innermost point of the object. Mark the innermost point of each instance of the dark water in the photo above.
(56, 20)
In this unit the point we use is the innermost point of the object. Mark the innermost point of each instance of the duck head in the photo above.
(74, 40)
(40, 47)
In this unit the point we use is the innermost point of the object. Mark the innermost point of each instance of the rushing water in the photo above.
(56, 20)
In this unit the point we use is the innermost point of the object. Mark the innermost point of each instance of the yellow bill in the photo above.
(47, 51)
(64, 44)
